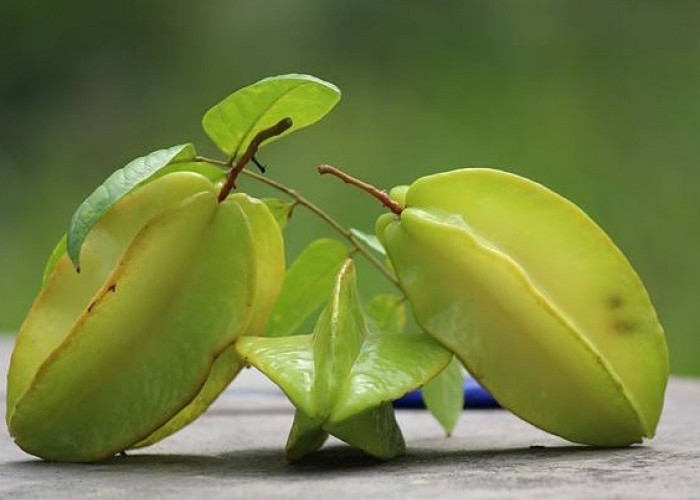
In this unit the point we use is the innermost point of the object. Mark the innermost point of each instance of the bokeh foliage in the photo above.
(598, 100)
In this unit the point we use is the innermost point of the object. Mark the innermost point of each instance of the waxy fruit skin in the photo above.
(536, 301)
(343, 377)
(268, 251)
(109, 355)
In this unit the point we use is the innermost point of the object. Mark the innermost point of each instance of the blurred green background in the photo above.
(598, 100)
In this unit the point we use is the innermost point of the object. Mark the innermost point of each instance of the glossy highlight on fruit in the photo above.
(110, 355)
(536, 301)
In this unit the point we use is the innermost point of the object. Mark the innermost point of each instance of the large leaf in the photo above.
(115, 187)
(306, 286)
(341, 376)
(234, 122)
(444, 395)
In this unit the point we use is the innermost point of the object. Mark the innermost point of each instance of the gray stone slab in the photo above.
(235, 451)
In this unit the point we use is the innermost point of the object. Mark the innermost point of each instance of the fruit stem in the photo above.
(355, 245)
(379, 194)
(235, 169)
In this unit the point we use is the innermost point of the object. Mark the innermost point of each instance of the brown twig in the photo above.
(379, 194)
(343, 231)
(277, 129)
(316, 210)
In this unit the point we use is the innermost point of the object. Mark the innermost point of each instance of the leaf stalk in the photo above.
(379, 194)
(235, 169)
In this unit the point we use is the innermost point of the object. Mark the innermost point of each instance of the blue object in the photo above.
(475, 396)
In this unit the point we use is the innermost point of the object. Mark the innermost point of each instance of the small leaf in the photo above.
(56, 254)
(307, 285)
(114, 188)
(281, 210)
(369, 239)
(388, 313)
(444, 395)
(233, 123)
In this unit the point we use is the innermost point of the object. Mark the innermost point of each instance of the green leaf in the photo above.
(114, 188)
(369, 239)
(306, 286)
(388, 313)
(343, 377)
(56, 254)
(233, 123)
(444, 395)
(281, 210)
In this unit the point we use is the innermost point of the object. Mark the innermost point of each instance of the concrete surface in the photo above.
(235, 451)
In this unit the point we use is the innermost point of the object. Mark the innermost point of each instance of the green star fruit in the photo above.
(343, 377)
(536, 301)
(138, 342)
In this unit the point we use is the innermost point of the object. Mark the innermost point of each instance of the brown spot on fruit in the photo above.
(110, 288)
(623, 326)
(614, 302)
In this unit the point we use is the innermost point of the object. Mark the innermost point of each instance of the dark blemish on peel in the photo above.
(623, 326)
(614, 302)
(111, 288)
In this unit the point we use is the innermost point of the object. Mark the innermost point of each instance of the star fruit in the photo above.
(343, 377)
(536, 301)
(138, 342)
(135, 339)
